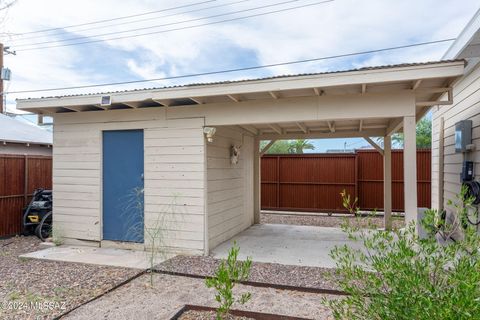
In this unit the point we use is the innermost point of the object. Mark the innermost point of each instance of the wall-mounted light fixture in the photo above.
(209, 133)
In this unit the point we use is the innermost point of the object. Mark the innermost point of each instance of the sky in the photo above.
(318, 30)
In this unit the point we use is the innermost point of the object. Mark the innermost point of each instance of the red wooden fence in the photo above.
(313, 182)
(20, 175)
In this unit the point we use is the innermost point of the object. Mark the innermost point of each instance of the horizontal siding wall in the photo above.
(230, 186)
(174, 175)
(466, 106)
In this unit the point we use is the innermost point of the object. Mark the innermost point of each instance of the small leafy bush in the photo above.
(398, 275)
(227, 275)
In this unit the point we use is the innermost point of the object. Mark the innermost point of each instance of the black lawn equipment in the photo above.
(37, 216)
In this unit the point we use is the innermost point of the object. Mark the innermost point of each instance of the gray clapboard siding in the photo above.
(174, 174)
(229, 203)
(466, 105)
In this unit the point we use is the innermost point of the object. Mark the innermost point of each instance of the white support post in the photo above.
(410, 168)
(387, 181)
(256, 182)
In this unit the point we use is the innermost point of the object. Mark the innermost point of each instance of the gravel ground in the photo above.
(326, 221)
(207, 315)
(27, 283)
(271, 273)
(140, 301)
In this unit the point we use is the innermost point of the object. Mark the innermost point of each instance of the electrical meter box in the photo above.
(463, 135)
(467, 171)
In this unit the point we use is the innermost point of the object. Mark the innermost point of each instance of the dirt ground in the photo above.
(323, 220)
(138, 300)
(37, 289)
(271, 273)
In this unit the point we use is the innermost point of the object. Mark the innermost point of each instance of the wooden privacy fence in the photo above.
(20, 175)
(313, 182)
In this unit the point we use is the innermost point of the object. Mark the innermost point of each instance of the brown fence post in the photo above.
(278, 182)
(356, 178)
(25, 186)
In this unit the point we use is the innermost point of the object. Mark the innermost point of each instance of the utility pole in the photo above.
(4, 75)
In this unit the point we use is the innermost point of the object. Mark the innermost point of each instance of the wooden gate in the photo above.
(313, 182)
(20, 175)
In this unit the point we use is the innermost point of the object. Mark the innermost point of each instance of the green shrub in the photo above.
(227, 275)
(401, 276)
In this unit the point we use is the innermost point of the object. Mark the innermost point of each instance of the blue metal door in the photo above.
(123, 185)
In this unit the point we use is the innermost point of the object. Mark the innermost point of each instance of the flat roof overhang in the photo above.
(426, 79)
(378, 90)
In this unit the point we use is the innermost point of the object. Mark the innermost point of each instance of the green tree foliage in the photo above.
(227, 275)
(424, 135)
(399, 275)
(298, 146)
(288, 146)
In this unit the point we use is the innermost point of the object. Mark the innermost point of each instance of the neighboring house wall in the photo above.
(230, 186)
(174, 174)
(20, 148)
(466, 105)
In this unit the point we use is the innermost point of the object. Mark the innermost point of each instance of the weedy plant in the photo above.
(398, 275)
(349, 204)
(227, 275)
(156, 230)
(57, 235)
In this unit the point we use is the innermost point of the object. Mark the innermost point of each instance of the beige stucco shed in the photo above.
(213, 198)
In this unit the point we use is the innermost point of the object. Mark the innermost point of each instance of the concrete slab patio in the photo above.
(287, 244)
(99, 256)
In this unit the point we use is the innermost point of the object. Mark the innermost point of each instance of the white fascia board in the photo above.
(381, 75)
(464, 38)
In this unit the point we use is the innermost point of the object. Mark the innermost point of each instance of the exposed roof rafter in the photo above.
(331, 126)
(197, 100)
(265, 149)
(233, 98)
(133, 105)
(250, 129)
(76, 109)
(275, 127)
(373, 144)
(394, 126)
(273, 94)
(416, 84)
(163, 103)
(302, 127)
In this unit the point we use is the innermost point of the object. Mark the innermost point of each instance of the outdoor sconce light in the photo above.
(209, 133)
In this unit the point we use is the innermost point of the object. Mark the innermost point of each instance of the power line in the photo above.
(159, 25)
(115, 19)
(239, 69)
(145, 19)
(32, 45)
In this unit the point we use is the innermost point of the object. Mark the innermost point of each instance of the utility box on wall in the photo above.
(463, 135)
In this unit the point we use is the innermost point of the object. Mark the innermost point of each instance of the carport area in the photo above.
(370, 104)
(286, 244)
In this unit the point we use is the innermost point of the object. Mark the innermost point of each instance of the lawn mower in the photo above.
(37, 216)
